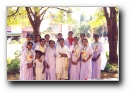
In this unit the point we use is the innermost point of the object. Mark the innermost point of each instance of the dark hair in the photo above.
(59, 34)
(61, 39)
(47, 35)
(28, 35)
(42, 39)
(37, 51)
(36, 38)
(82, 34)
(51, 41)
(85, 40)
(96, 35)
(30, 43)
(76, 37)
(70, 32)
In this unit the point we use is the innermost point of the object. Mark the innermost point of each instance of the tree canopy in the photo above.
(18, 16)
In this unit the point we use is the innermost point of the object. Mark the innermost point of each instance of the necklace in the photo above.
(29, 55)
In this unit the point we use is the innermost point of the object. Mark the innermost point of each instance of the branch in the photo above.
(14, 13)
(45, 18)
(106, 13)
(31, 11)
(41, 9)
(50, 13)
(44, 11)
(62, 9)
(29, 16)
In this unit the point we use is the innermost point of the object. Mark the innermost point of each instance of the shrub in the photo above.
(13, 65)
(108, 66)
(112, 68)
(107, 56)
(21, 40)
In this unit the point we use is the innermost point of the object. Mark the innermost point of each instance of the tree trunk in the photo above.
(35, 21)
(36, 27)
(112, 35)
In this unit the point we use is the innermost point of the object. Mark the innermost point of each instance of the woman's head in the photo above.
(38, 37)
(96, 37)
(52, 43)
(70, 34)
(28, 37)
(59, 35)
(47, 37)
(84, 42)
(38, 53)
(61, 41)
(82, 36)
(29, 45)
(42, 42)
(76, 40)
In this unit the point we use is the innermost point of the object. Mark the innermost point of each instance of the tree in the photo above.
(35, 16)
(83, 27)
(110, 17)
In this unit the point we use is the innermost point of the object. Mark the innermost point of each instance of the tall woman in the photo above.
(75, 57)
(50, 58)
(26, 71)
(86, 65)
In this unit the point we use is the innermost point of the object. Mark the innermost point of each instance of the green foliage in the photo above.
(82, 17)
(110, 67)
(63, 17)
(15, 42)
(19, 19)
(21, 40)
(98, 18)
(98, 30)
(82, 28)
(107, 56)
(13, 65)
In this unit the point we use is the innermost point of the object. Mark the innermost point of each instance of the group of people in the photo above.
(65, 59)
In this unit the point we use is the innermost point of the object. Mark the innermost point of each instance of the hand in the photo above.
(29, 65)
(35, 64)
(47, 66)
(83, 60)
(34, 74)
(43, 71)
(87, 59)
(94, 59)
(74, 63)
(72, 51)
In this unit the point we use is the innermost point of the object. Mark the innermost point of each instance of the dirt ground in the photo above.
(104, 75)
